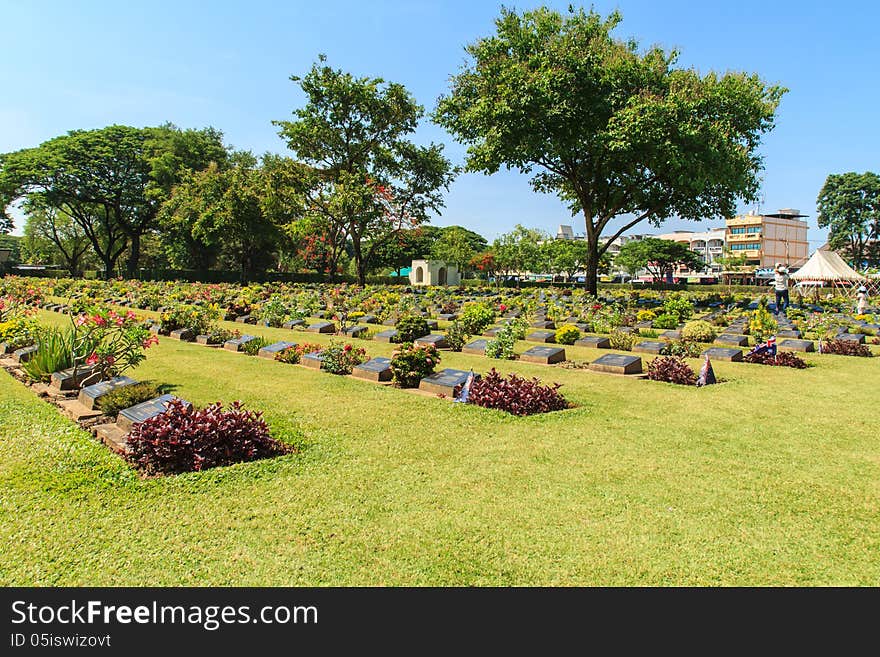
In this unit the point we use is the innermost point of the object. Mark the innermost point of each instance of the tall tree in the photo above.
(66, 241)
(849, 206)
(228, 210)
(565, 256)
(613, 131)
(659, 257)
(367, 178)
(457, 246)
(519, 251)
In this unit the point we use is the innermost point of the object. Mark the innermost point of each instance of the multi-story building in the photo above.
(709, 245)
(766, 239)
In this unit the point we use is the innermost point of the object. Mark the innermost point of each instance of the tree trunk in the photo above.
(591, 271)
(134, 255)
(359, 261)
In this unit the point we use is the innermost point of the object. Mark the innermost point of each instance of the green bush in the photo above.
(476, 317)
(698, 331)
(342, 358)
(253, 347)
(456, 336)
(411, 328)
(679, 306)
(502, 346)
(621, 340)
(411, 363)
(128, 396)
(665, 321)
(568, 334)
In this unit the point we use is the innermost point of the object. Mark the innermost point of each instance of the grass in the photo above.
(772, 478)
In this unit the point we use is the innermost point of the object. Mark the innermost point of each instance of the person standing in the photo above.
(862, 301)
(780, 286)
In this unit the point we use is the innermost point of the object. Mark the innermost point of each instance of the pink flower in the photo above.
(130, 316)
(99, 321)
(92, 359)
(150, 341)
(110, 359)
(80, 320)
(347, 347)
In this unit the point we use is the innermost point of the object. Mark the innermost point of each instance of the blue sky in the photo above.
(87, 64)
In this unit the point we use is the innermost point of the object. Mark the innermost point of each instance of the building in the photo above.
(709, 245)
(766, 239)
(433, 272)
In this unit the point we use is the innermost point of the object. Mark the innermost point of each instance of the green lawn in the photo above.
(771, 478)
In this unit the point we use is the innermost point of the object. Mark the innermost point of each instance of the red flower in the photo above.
(92, 359)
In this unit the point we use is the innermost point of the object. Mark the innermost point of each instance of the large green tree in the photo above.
(228, 210)
(52, 237)
(457, 245)
(613, 131)
(565, 256)
(849, 206)
(519, 251)
(366, 177)
(659, 257)
(110, 181)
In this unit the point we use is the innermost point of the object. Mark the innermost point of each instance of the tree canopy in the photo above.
(849, 206)
(659, 257)
(366, 178)
(611, 130)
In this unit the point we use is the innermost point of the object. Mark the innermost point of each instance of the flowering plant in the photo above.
(413, 362)
(109, 342)
(342, 358)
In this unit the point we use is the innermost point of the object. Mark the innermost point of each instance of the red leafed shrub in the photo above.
(671, 369)
(846, 348)
(184, 439)
(516, 395)
(781, 359)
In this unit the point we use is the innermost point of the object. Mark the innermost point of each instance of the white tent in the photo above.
(827, 268)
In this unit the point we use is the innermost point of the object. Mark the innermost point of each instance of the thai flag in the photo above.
(707, 374)
(465, 389)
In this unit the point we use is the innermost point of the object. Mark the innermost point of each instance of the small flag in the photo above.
(465, 389)
(707, 374)
(820, 345)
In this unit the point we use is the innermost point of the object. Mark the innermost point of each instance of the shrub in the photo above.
(342, 358)
(698, 331)
(568, 334)
(671, 369)
(781, 359)
(293, 355)
(411, 363)
(846, 348)
(128, 396)
(646, 315)
(18, 331)
(201, 319)
(516, 395)
(186, 439)
(679, 307)
(665, 321)
(761, 323)
(273, 312)
(476, 317)
(411, 328)
(252, 348)
(621, 340)
(456, 336)
(649, 333)
(681, 349)
(502, 345)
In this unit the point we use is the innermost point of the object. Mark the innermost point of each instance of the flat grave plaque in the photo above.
(246, 319)
(671, 335)
(65, 380)
(805, 346)
(438, 341)
(269, 351)
(385, 336)
(476, 347)
(235, 344)
(544, 355)
(355, 331)
(543, 324)
(731, 339)
(542, 336)
(788, 334)
(313, 360)
(858, 338)
(724, 353)
(136, 414)
(89, 395)
(24, 354)
(447, 382)
(648, 347)
(293, 323)
(183, 334)
(593, 342)
(322, 327)
(375, 369)
(370, 319)
(617, 364)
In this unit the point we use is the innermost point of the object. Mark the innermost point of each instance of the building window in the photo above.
(745, 246)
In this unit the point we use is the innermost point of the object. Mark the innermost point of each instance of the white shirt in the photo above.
(780, 280)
